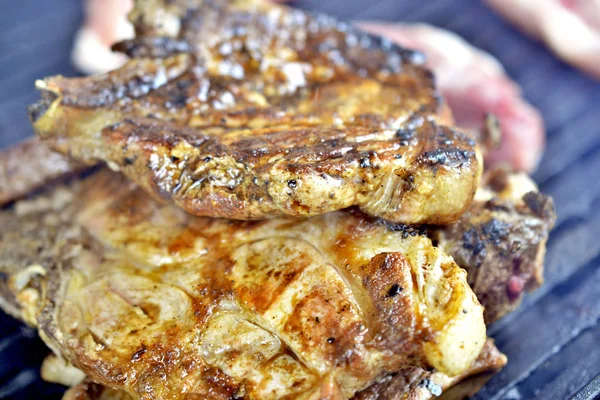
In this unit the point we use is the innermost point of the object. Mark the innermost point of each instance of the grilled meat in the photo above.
(30, 165)
(500, 262)
(247, 110)
(472, 81)
(145, 298)
(501, 241)
(413, 384)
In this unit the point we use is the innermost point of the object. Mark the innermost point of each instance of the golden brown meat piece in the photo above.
(247, 110)
(501, 240)
(145, 298)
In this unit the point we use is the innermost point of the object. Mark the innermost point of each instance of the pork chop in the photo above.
(248, 110)
(145, 298)
(494, 261)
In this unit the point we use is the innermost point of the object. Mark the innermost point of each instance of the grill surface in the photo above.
(551, 341)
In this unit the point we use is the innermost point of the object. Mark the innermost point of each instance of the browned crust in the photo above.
(288, 171)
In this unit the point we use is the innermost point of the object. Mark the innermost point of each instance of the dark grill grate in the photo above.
(551, 341)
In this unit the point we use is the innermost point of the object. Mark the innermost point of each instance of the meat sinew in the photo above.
(148, 299)
(249, 110)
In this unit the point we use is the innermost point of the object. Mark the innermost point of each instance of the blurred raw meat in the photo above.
(105, 23)
(571, 28)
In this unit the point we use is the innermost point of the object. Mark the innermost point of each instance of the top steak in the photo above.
(248, 110)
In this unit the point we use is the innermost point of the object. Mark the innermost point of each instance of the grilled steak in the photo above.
(501, 241)
(247, 110)
(148, 299)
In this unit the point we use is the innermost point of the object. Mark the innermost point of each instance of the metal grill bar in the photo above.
(589, 391)
(22, 380)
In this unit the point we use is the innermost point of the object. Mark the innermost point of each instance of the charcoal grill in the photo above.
(552, 341)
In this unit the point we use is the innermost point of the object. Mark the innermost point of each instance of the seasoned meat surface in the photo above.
(145, 298)
(248, 110)
(409, 384)
(501, 240)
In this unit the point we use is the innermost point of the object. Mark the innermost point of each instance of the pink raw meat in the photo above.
(474, 84)
(571, 28)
